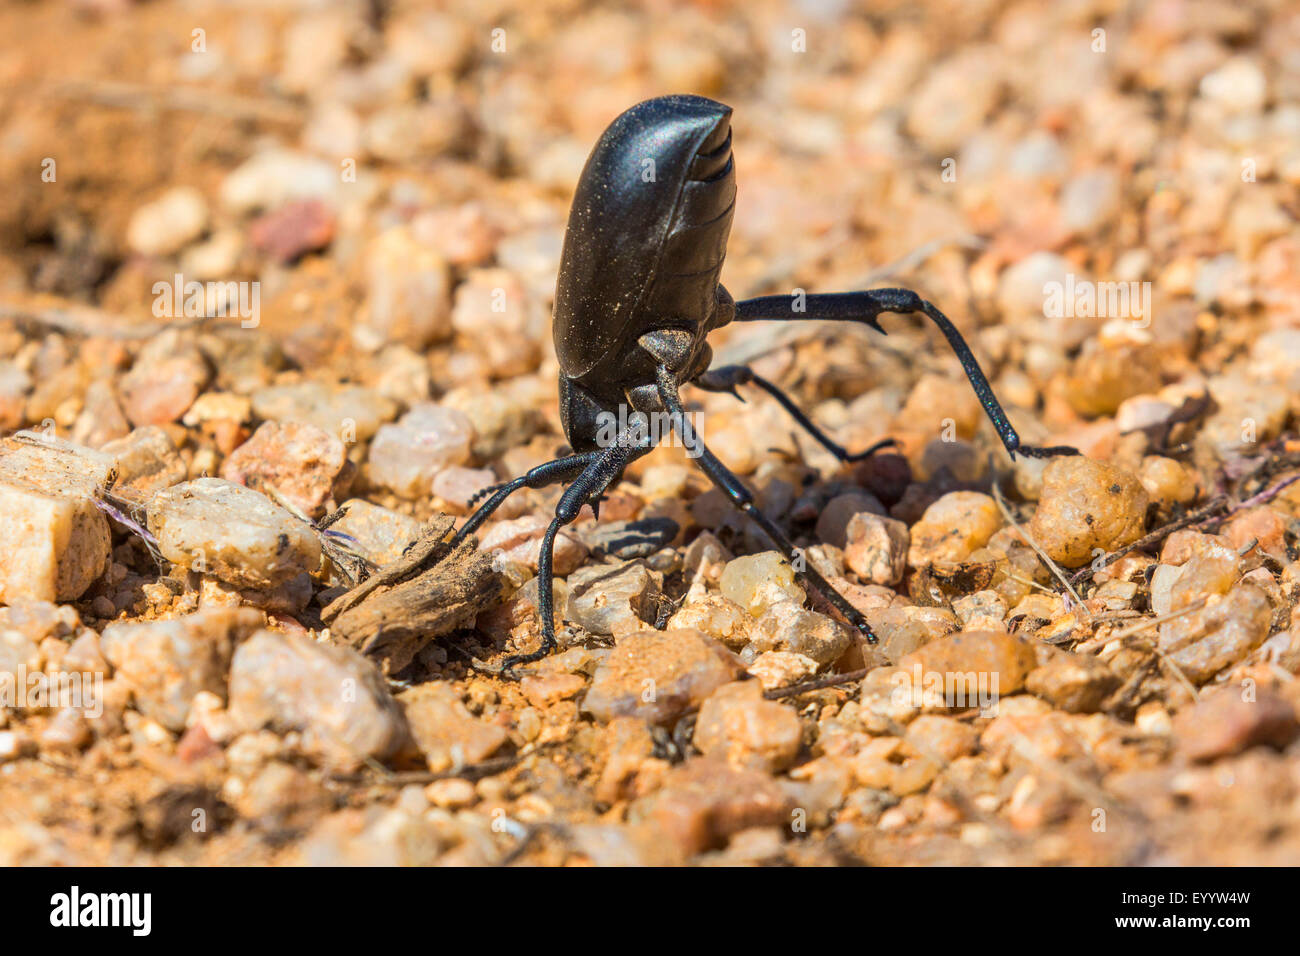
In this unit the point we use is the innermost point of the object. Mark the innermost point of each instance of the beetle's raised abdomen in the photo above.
(647, 233)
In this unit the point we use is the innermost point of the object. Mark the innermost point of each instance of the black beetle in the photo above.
(638, 292)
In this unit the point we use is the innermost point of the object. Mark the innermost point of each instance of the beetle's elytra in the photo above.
(639, 291)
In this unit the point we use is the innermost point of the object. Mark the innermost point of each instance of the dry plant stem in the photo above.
(1038, 550)
(820, 683)
(1155, 537)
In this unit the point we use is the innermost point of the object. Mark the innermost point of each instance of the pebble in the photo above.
(1001, 662)
(776, 669)
(456, 485)
(980, 611)
(234, 533)
(408, 293)
(382, 534)
(147, 460)
(738, 725)
(1226, 722)
(631, 539)
(787, 626)
(705, 801)
(166, 663)
(351, 412)
(166, 378)
(613, 599)
(952, 528)
(1087, 505)
(876, 548)
(333, 696)
(1076, 683)
(444, 730)
(657, 675)
(716, 616)
(520, 542)
(170, 222)
(406, 456)
(755, 582)
(296, 228)
(838, 514)
(276, 176)
(302, 462)
(496, 315)
(1225, 631)
(58, 541)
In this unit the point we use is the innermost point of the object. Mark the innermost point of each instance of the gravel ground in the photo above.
(275, 294)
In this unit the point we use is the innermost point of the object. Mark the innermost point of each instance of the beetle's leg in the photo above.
(726, 378)
(549, 473)
(602, 467)
(741, 497)
(865, 307)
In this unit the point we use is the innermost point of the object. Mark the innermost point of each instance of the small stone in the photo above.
(776, 669)
(835, 519)
(1225, 631)
(613, 599)
(336, 698)
(237, 534)
(1224, 723)
(381, 533)
(494, 311)
(757, 581)
(548, 689)
(452, 794)
(876, 548)
(981, 611)
(351, 412)
(445, 731)
(166, 378)
(408, 293)
(981, 662)
(406, 456)
(166, 663)
(172, 221)
(631, 539)
(276, 176)
(1086, 505)
(704, 801)
(716, 616)
(952, 528)
(789, 627)
(657, 675)
(738, 725)
(57, 541)
(520, 542)
(147, 460)
(296, 228)
(302, 462)
(1075, 683)
(457, 485)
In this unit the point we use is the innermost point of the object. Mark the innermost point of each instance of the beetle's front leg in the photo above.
(866, 307)
(728, 377)
(602, 468)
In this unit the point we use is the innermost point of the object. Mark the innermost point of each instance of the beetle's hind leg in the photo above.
(741, 497)
(866, 307)
(726, 378)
